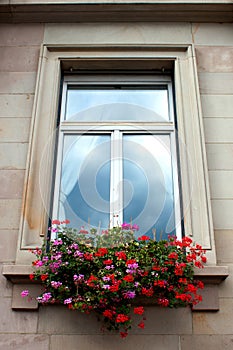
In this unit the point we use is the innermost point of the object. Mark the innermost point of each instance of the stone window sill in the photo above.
(212, 276)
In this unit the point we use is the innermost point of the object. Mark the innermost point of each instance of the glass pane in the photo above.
(148, 184)
(85, 180)
(111, 105)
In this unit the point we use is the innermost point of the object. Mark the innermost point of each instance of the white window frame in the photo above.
(195, 187)
(116, 129)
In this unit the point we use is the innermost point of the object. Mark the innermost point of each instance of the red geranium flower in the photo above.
(107, 262)
(123, 334)
(108, 314)
(141, 325)
(56, 222)
(121, 255)
(139, 310)
(148, 292)
(88, 256)
(143, 238)
(130, 262)
(43, 277)
(101, 252)
(173, 255)
(128, 278)
(121, 318)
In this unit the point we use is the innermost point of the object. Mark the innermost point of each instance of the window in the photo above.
(116, 159)
(193, 182)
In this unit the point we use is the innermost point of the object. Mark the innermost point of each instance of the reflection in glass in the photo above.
(85, 180)
(149, 201)
(113, 104)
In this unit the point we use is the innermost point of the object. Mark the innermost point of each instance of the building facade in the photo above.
(45, 44)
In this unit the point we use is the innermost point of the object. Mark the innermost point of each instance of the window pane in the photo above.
(117, 105)
(148, 184)
(85, 180)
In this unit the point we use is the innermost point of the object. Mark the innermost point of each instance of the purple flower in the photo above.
(68, 301)
(129, 294)
(133, 266)
(38, 263)
(78, 254)
(106, 286)
(74, 246)
(125, 226)
(45, 298)
(24, 293)
(56, 284)
(105, 278)
(78, 277)
(57, 242)
(109, 267)
(55, 265)
(57, 256)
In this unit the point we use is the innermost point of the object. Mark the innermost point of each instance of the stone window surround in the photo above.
(195, 188)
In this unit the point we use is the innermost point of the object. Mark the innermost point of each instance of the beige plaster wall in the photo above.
(55, 327)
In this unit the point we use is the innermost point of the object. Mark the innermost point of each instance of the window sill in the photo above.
(212, 276)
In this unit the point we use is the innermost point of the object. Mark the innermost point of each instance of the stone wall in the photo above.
(213, 44)
(53, 328)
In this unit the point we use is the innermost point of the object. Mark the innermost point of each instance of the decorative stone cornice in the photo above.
(32, 11)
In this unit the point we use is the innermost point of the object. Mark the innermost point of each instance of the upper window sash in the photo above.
(117, 90)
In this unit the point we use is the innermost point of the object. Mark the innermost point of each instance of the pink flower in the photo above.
(125, 226)
(68, 301)
(57, 242)
(24, 293)
(56, 284)
(45, 298)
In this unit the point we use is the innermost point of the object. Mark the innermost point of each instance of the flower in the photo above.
(68, 301)
(129, 294)
(123, 334)
(107, 262)
(143, 238)
(121, 318)
(44, 298)
(104, 273)
(24, 293)
(44, 277)
(139, 310)
(125, 226)
(108, 313)
(121, 255)
(31, 276)
(128, 278)
(56, 222)
(56, 284)
(141, 325)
